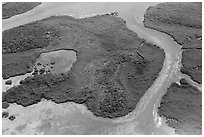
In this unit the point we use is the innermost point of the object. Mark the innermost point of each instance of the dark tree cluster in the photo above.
(110, 88)
(26, 37)
(10, 9)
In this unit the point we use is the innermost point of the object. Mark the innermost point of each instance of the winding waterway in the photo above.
(71, 118)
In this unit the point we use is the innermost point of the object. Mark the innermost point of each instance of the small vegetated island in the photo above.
(113, 70)
(182, 104)
(10, 9)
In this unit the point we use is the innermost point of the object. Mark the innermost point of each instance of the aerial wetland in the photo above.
(108, 68)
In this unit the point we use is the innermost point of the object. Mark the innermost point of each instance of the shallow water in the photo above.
(78, 120)
(62, 59)
(59, 61)
(15, 81)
